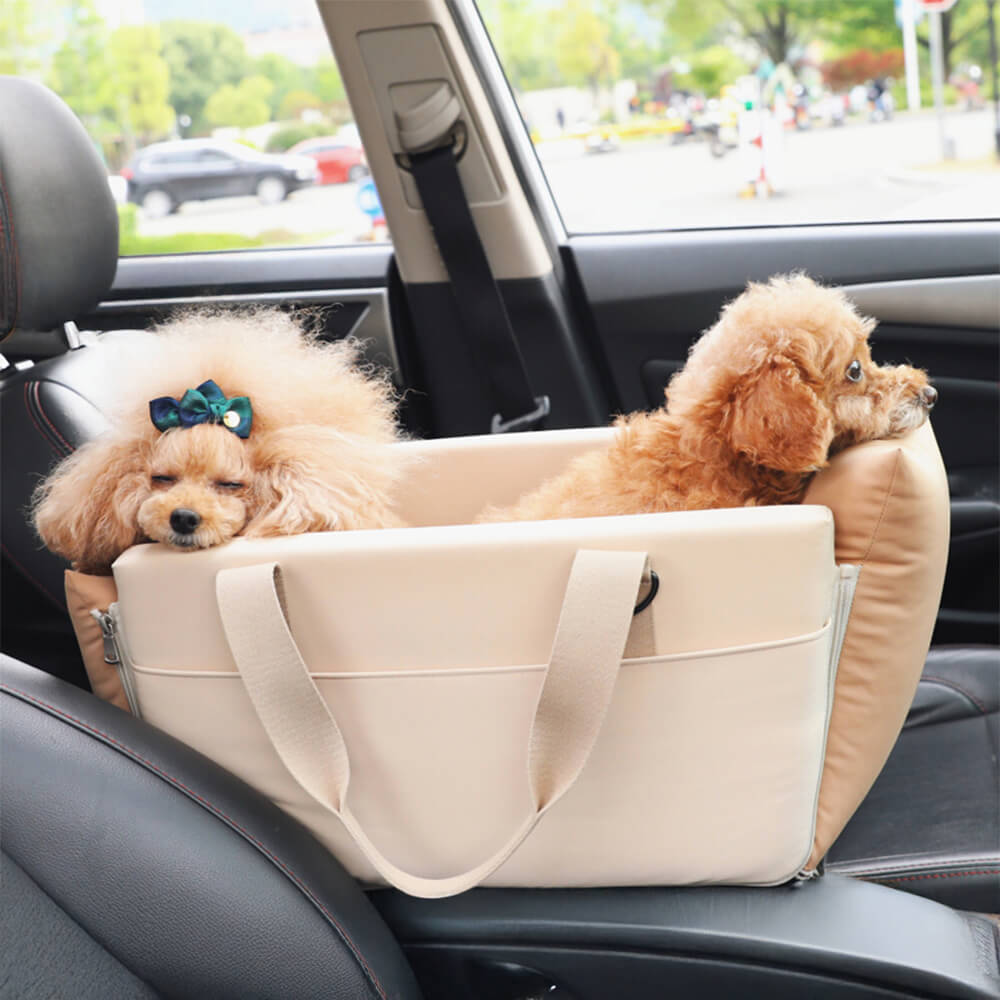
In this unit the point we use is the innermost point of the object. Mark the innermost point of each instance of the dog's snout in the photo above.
(928, 396)
(184, 521)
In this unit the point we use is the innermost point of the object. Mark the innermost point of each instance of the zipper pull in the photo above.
(107, 624)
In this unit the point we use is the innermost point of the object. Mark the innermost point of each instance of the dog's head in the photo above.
(197, 489)
(308, 448)
(787, 379)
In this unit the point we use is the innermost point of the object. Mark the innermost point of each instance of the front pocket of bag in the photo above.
(706, 769)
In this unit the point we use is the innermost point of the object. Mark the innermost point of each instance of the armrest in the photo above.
(833, 937)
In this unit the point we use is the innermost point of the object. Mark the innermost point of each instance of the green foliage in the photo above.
(326, 83)
(963, 31)
(132, 244)
(288, 136)
(201, 58)
(243, 106)
(949, 94)
(519, 31)
(82, 72)
(584, 54)
(24, 29)
(297, 101)
(285, 76)
(710, 70)
(141, 84)
(128, 224)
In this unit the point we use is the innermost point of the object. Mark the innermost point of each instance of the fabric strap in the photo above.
(480, 306)
(579, 683)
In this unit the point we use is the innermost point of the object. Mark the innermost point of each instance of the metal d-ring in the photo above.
(458, 134)
(654, 589)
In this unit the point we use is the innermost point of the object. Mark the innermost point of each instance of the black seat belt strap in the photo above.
(480, 306)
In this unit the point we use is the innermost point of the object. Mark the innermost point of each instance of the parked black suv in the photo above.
(163, 176)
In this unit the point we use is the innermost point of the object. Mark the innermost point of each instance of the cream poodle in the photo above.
(781, 382)
(229, 424)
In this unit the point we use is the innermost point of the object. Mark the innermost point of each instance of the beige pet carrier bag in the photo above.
(452, 705)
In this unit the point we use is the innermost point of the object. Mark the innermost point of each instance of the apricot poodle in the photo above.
(229, 424)
(780, 383)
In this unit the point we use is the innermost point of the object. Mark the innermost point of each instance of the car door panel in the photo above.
(935, 289)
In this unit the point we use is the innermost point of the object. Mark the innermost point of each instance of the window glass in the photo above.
(664, 114)
(258, 73)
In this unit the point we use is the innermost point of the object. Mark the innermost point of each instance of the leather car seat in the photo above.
(134, 867)
(929, 825)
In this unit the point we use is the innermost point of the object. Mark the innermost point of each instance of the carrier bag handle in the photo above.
(573, 701)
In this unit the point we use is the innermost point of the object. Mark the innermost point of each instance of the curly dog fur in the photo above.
(318, 457)
(763, 402)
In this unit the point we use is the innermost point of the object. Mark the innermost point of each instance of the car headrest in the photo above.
(58, 222)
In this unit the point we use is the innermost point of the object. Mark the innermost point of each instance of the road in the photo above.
(857, 173)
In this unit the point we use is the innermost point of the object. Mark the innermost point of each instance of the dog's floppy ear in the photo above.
(87, 508)
(776, 420)
(311, 478)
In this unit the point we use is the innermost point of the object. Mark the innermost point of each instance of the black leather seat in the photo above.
(930, 824)
(135, 867)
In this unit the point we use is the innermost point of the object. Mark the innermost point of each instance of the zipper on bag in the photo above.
(114, 652)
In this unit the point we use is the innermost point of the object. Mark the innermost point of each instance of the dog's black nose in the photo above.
(184, 521)
(928, 396)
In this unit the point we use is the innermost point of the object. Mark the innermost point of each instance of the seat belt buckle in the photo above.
(526, 422)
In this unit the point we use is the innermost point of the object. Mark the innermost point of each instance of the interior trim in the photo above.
(280, 269)
(510, 234)
(971, 302)
(617, 267)
(373, 326)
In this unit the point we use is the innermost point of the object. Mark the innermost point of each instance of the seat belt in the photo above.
(434, 137)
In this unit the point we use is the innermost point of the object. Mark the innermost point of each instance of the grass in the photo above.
(131, 243)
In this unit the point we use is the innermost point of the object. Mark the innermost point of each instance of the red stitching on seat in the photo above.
(218, 812)
(38, 427)
(37, 399)
(947, 682)
(912, 878)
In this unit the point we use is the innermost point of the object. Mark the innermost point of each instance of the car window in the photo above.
(214, 156)
(235, 80)
(677, 114)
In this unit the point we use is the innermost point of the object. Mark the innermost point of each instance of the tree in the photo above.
(81, 72)
(141, 84)
(860, 66)
(779, 29)
(201, 58)
(23, 30)
(295, 102)
(583, 50)
(326, 83)
(965, 23)
(285, 76)
(710, 70)
(520, 33)
(243, 106)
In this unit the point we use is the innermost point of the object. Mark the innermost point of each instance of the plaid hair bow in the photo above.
(205, 405)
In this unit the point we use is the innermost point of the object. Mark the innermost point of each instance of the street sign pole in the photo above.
(909, 19)
(937, 78)
(993, 68)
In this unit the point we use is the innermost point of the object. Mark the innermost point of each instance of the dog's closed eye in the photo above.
(164, 480)
(229, 485)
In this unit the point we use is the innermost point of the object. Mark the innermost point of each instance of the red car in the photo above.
(337, 160)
